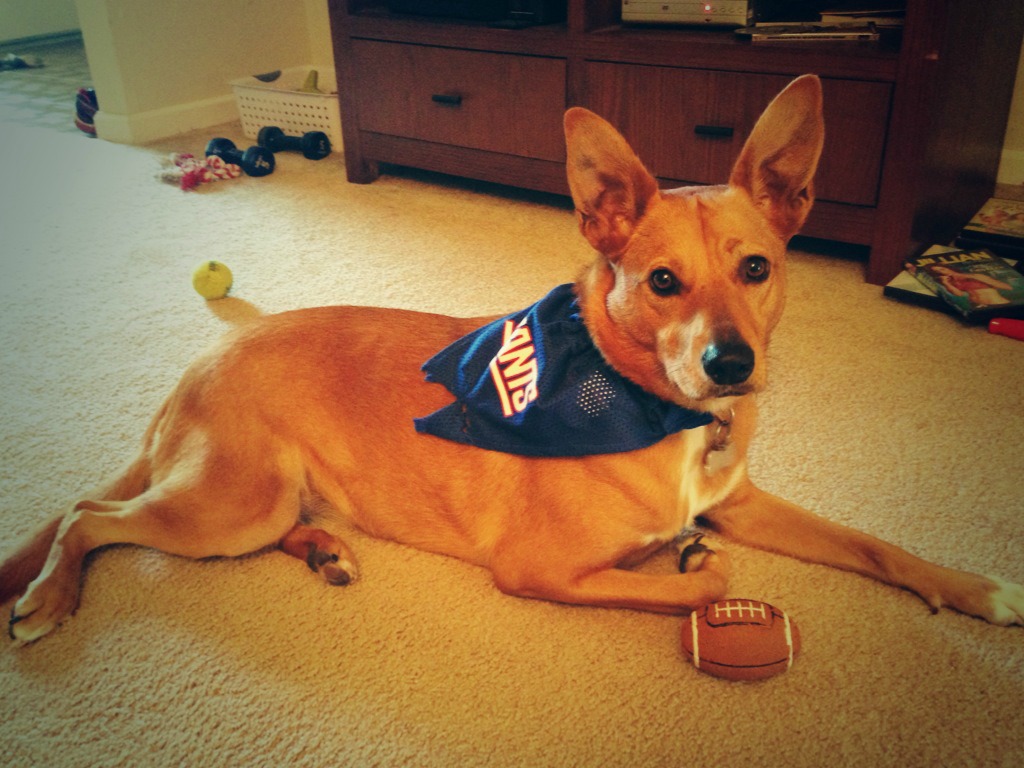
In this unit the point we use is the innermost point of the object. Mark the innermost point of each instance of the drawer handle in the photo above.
(447, 99)
(723, 131)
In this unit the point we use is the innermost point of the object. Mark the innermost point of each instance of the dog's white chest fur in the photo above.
(710, 472)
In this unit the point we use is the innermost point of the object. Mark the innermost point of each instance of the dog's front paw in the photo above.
(986, 597)
(1007, 604)
(693, 553)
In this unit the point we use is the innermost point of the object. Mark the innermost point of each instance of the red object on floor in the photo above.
(1006, 326)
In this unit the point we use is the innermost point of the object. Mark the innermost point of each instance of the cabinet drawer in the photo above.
(691, 124)
(496, 102)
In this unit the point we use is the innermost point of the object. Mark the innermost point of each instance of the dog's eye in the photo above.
(663, 282)
(755, 269)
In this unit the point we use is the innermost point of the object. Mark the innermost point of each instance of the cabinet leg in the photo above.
(361, 171)
(886, 259)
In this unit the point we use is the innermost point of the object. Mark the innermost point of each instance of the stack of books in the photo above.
(999, 227)
(859, 20)
(880, 15)
(977, 278)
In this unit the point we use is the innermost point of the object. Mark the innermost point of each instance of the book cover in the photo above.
(908, 289)
(978, 285)
(998, 223)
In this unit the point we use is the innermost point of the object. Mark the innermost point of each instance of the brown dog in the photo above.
(318, 406)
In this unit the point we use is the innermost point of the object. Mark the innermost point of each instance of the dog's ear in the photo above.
(610, 186)
(779, 159)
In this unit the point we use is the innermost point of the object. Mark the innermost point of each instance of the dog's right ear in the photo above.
(781, 155)
(610, 186)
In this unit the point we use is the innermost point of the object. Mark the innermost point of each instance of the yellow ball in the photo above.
(212, 280)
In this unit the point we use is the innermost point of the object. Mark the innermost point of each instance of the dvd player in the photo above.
(732, 13)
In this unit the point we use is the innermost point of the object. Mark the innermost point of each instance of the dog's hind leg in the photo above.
(22, 564)
(19, 566)
(210, 517)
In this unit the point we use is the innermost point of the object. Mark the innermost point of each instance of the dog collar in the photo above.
(721, 437)
(534, 384)
(719, 454)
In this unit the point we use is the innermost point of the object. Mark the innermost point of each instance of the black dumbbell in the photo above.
(255, 161)
(314, 145)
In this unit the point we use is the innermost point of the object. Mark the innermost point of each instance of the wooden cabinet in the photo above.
(709, 114)
(496, 102)
(914, 126)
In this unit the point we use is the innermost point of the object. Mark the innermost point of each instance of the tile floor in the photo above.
(44, 97)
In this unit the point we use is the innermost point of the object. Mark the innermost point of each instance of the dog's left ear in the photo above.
(610, 186)
(779, 159)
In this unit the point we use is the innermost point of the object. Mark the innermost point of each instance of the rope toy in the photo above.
(188, 171)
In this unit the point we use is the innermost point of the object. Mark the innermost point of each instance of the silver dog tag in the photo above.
(718, 459)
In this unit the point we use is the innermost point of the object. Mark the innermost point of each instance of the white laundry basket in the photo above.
(281, 103)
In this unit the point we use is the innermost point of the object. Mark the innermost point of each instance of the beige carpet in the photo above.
(886, 417)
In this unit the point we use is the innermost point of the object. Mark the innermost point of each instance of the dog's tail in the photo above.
(20, 566)
(234, 311)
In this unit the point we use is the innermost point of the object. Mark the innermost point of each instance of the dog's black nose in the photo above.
(730, 362)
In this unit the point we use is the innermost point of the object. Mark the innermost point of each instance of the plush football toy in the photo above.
(741, 640)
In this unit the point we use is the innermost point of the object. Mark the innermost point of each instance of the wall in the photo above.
(1011, 169)
(318, 24)
(21, 19)
(162, 68)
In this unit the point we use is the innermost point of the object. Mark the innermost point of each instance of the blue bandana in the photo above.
(534, 384)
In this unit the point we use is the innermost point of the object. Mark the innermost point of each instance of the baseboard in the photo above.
(37, 41)
(1011, 167)
(156, 124)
